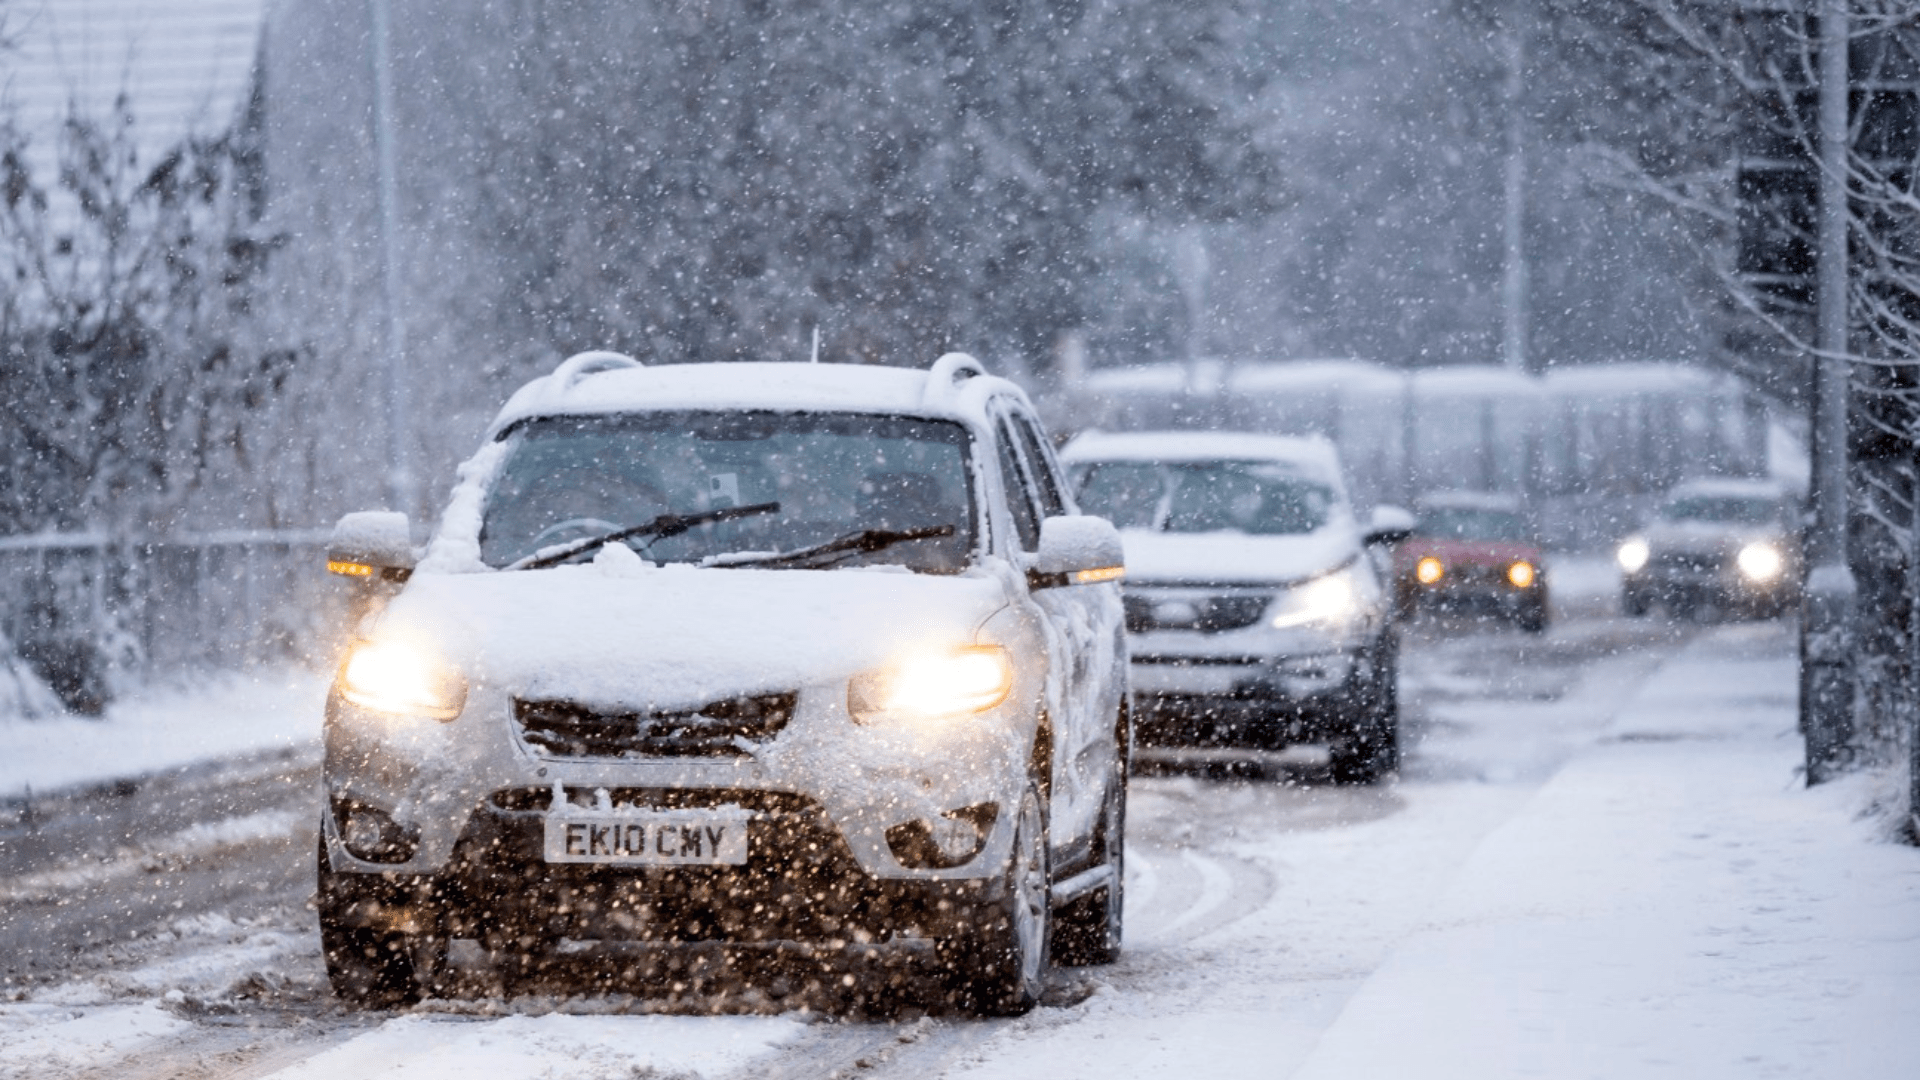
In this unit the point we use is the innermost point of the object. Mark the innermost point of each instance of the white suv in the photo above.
(769, 656)
(1257, 605)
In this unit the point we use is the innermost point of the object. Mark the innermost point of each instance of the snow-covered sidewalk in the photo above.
(1671, 903)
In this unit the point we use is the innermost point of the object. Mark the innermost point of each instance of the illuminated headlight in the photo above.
(934, 686)
(403, 679)
(1521, 574)
(1429, 570)
(1332, 598)
(1633, 554)
(1760, 562)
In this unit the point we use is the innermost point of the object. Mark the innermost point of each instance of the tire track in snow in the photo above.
(1210, 891)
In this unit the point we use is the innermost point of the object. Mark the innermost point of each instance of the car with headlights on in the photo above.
(1257, 618)
(1715, 545)
(1472, 551)
(782, 659)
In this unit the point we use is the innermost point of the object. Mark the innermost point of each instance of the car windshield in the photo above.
(1471, 523)
(567, 479)
(1722, 509)
(1261, 498)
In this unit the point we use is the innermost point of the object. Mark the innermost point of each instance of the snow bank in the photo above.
(58, 1038)
(23, 694)
(165, 727)
(552, 1048)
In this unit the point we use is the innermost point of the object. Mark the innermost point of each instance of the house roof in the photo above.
(185, 66)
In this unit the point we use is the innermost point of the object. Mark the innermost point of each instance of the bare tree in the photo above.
(1745, 75)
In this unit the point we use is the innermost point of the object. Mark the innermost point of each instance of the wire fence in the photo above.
(84, 609)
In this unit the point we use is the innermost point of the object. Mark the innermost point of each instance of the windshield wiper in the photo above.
(659, 528)
(862, 542)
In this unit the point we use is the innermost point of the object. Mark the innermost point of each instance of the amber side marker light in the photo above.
(1098, 574)
(1429, 570)
(350, 569)
(1521, 574)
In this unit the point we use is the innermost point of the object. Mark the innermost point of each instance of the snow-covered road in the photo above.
(1597, 863)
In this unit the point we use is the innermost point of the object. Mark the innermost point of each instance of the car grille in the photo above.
(1209, 613)
(1476, 576)
(1697, 562)
(716, 729)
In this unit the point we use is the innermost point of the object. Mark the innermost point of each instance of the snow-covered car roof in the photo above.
(1467, 500)
(1729, 489)
(955, 387)
(1312, 454)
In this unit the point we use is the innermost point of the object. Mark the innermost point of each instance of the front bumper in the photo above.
(1189, 697)
(800, 884)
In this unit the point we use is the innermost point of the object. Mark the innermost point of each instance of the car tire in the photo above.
(370, 968)
(998, 966)
(1087, 932)
(1533, 617)
(1372, 747)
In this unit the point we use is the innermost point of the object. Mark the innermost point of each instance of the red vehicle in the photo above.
(1471, 551)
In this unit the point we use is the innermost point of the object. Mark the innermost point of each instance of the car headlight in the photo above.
(1332, 598)
(1521, 573)
(1429, 570)
(403, 679)
(1760, 562)
(934, 686)
(1633, 554)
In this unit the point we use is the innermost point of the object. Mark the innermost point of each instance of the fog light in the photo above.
(1429, 570)
(950, 840)
(371, 834)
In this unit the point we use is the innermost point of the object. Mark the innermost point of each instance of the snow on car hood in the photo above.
(1219, 557)
(619, 632)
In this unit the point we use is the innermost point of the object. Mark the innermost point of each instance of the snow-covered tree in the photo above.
(713, 181)
(128, 357)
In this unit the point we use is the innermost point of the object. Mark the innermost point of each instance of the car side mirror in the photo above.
(372, 545)
(1077, 549)
(1389, 525)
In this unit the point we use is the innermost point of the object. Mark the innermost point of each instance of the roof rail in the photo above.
(581, 365)
(950, 371)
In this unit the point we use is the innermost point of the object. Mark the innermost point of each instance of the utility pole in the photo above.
(1826, 675)
(1513, 284)
(400, 485)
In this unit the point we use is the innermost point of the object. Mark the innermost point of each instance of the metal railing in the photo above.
(155, 604)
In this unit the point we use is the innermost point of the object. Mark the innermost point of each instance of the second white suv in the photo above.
(1258, 615)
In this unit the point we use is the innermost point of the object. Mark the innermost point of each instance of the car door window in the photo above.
(1046, 471)
(1026, 519)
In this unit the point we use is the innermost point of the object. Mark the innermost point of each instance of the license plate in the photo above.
(715, 837)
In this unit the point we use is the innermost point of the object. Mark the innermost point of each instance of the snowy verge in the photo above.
(163, 728)
(1671, 903)
(553, 1048)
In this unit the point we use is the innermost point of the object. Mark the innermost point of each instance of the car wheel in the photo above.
(370, 968)
(1372, 747)
(1533, 617)
(1088, 930)
(998, 965)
